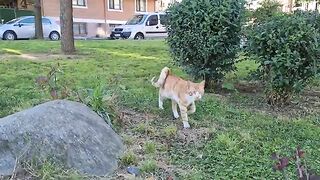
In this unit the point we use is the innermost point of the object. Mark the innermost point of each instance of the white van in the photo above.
(141, 26)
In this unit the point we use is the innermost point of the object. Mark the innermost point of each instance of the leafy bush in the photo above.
(312, 17)
(203, 36)
(288, 53)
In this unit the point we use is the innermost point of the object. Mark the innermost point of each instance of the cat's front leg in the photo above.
(174, 109)
(192, 108)
(184, 116)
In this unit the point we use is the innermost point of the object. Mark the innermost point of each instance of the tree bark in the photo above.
(38, 19)
(66, 22)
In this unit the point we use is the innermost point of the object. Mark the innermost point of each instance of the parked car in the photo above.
(141, 26)
(24, 28)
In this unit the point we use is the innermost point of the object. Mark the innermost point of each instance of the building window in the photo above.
(115, 4)
(141, 5)
(79, 29)
(79, 2)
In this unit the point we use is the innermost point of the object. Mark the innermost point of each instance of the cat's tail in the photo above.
(162, 78)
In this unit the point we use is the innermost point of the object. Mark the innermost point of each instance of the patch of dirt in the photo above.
(131, 123)
(39, 57)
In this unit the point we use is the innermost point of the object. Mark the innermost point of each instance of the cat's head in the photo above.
(197, 90)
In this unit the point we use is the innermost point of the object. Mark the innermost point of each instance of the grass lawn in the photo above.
(227, 140)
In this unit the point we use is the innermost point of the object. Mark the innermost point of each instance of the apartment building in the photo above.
(96, 18)
(92, 18)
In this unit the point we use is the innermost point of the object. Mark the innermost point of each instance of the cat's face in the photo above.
(197, 90)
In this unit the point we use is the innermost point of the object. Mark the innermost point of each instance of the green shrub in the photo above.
(203, 36)
(312, 17)
(288, 51)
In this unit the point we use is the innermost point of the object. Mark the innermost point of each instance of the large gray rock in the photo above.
(68, 132)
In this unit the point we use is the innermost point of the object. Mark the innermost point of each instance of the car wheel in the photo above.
(54, 36)
(139, 36)
(9, 35)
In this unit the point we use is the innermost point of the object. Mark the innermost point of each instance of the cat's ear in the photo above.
(202, 83)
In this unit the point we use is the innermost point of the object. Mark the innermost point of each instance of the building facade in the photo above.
(92, 18)
(96, 18)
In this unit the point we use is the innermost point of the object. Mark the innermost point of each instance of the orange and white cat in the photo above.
(181, 92)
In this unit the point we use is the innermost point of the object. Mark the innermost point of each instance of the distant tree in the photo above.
(66, 22)
(268, 8)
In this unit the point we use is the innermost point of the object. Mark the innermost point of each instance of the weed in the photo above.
(144, 128)
(48, 169)
(141, 128)
(129, 158)
(170, 131)
(128, 140)
(149, 166)
(150, 147)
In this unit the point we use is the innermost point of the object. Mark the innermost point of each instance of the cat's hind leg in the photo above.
(160, 101)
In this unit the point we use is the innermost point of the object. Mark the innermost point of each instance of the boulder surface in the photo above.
(64, 131)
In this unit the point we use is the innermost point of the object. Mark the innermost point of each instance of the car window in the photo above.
(12, 21)
(153, 20)
(163, 19)
(46, 21)
(27, 21)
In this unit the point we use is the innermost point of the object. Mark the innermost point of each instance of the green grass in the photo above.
(239, 148)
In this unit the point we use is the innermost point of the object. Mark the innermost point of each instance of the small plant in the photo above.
(150, 148)
(302, 170)
(149, 166)
(170, 131)
(52, 83)
(129, 158)
(48, 169)
(144, 128)
(141, 128)
(128, 140)
(94, 98)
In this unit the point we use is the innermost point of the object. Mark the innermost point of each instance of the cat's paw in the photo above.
(175, 116)
(161, 107)
(186, 125)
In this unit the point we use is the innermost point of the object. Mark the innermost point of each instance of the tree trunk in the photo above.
(66, 22)
(38, 19)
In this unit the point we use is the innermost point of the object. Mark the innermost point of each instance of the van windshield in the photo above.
(137, 19)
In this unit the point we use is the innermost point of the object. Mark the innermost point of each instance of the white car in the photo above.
(141, 26)
(24, 28)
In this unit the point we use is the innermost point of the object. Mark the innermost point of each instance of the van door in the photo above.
(162, 28)
(152, 27)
